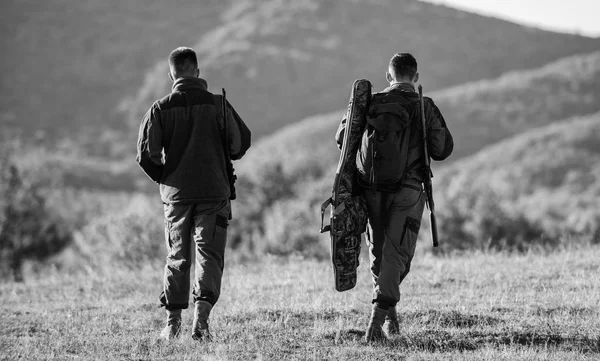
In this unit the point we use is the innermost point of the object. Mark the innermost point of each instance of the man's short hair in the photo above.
(404, 65)
(183, 60)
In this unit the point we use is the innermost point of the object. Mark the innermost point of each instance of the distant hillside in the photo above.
(548, 178)
(65, 64)
(484, 112)
(285, 60)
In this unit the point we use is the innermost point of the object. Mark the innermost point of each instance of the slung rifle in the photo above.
(428, 174)
(228, 163)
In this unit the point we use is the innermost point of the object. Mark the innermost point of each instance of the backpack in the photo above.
(383, 154)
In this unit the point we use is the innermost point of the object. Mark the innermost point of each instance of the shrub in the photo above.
(277, 211)
(29, 228)
(292, 227)
(482, 221)
(129, 239)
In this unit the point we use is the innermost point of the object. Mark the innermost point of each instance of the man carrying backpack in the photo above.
(390, 163)
(182, 147)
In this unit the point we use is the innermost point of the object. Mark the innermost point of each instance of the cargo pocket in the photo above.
(410, 234)
(220, 236)
(409, 243)
(168, 226)
(222, 221)
(168, 238)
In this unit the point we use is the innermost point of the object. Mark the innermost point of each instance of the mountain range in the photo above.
(78, 69)
(282, 61)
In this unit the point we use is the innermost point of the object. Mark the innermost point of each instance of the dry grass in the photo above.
(474, 307)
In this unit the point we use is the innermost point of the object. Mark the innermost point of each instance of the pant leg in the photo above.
(377, 209)
(178, 231)
(400, 238)
(210, 236)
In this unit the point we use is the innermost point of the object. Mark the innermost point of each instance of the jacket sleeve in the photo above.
(440, 140)
(149, 145)
(239, 134)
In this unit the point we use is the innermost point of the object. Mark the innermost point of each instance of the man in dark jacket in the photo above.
(396, 208)
(181, 147)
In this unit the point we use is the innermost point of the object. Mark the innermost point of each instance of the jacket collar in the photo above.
(405, 87)
(183, 84)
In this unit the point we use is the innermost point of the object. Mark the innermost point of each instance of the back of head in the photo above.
(183, 62)
(403, 66)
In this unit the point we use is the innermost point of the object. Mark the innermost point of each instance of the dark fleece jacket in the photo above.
(180, 143)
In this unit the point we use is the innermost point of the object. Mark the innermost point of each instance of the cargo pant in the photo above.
(198, 228)
(394, 222)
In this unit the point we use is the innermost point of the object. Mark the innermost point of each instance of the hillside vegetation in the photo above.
(484, 112)
(545, 181)
(282, 61)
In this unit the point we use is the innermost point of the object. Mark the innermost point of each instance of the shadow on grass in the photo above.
(454, 331)
(444, 341)
(450, 319)
(563, 310)
(446, 331)
(285, 316)
(343, 336)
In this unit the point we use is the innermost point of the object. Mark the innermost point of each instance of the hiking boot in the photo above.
(173, 328)
(200, 326)
(374, 330)
(392, 325)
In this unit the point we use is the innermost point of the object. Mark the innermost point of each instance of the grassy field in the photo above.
(470, 307)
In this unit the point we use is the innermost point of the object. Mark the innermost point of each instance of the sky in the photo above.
(572, 16)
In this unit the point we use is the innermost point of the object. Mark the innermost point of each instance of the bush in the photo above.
(482, 221)
(129, 239)
(291, 227)
(29, 228)
(278, 211)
